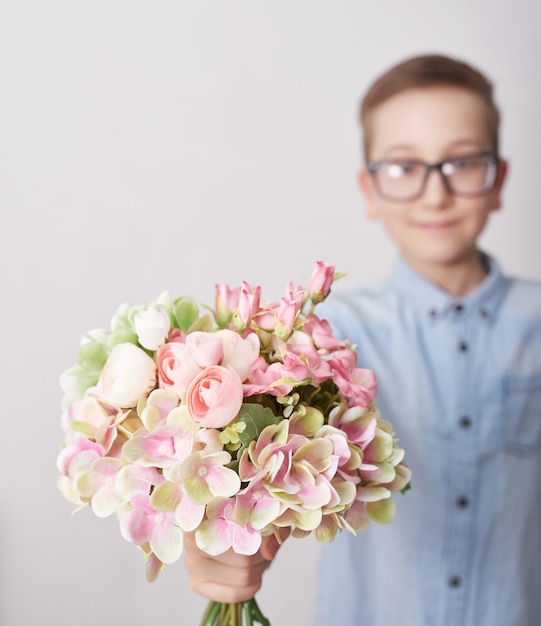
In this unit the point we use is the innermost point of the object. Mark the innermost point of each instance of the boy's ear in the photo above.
(503, 169)
(366, 183)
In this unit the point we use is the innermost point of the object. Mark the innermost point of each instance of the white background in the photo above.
(172, 145)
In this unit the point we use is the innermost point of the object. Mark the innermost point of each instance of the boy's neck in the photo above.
(459, 278)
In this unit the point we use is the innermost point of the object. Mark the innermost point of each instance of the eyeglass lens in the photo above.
(406, 179)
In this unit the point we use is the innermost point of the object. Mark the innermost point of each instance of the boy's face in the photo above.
(437, 229)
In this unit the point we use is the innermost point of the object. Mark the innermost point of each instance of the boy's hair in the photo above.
(433, 70)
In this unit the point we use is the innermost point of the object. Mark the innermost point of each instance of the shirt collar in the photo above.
(436, 303)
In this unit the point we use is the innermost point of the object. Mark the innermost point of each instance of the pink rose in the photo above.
(214, 397)
(288, 312)
(321, 333)
(205, 348)
(304, 354)
(266, 318)
(357, 384)
(321, 281)
(226, 303)
(176, 367)
(249, 301)
(265, 378)
(364, 387)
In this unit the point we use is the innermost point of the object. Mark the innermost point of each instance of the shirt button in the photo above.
(463, 346)
(463, 502)
(465, 421)
(432, 313)
(459, 308)
(455, 581)
(483, 313)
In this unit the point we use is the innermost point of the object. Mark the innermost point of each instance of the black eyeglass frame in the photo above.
(491, 156)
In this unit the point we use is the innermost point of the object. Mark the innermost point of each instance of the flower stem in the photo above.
(257, 614)
(248, 614)
(209, 618)
(241, 614)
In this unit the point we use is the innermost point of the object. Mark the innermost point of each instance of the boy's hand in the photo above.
(228, 577)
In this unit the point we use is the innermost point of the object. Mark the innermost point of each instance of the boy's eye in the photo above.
(399, 170)
(465, 163)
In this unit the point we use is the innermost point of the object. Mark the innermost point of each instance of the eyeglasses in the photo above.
(401, 180)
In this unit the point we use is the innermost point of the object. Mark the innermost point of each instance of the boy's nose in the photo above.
(436, 191)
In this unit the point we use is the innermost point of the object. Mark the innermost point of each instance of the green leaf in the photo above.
(92, 356)
(406, 488)
(256, 417)
(203, 324)
(185, 312)
(123, 335)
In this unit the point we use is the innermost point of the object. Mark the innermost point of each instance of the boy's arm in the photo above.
(228, 577)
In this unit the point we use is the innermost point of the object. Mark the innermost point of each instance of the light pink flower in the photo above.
(159, 529)
(214, 397)
(358, 423)
(78, 456)
(171, 496)
(205, 477)
(160, 403)
(162, 447)
(341, 450)
(292, 469)
(136, 480)
(94, 420)
(256, 506)
(220, 531)
(128, 375)
(193, 437)
(98, 484)
(357, 516)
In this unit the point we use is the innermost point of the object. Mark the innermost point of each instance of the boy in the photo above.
(456, 347)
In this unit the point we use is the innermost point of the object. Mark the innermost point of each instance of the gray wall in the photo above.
(172, 145)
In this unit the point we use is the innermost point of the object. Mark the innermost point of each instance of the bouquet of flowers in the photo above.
(231, 422)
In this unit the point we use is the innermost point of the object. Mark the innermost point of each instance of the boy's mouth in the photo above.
(435, 226)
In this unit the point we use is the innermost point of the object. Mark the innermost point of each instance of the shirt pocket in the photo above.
(521, 414)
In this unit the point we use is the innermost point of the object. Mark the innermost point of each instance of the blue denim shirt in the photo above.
(460, 379)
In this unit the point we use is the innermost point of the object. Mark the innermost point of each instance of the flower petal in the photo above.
(167, 541)
(382, 511)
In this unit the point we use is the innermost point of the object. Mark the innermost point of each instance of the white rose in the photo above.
(128, 375)
(239, 353)
(152, 327)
